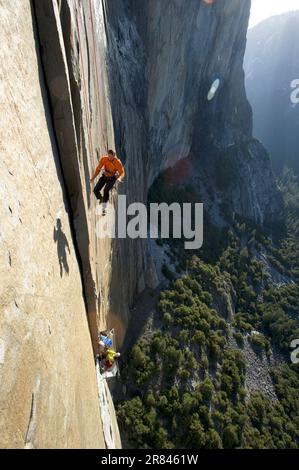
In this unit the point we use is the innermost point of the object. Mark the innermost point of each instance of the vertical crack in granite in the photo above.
(30, 428)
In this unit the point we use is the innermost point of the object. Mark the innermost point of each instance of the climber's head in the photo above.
(111, 154)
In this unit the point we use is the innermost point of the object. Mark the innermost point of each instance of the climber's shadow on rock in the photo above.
(62, 245)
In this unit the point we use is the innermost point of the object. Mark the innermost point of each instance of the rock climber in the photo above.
(113, 171)
(107, 355)
(105, 339)
(111, 358)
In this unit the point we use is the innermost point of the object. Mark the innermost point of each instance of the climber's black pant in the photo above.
(106, 181)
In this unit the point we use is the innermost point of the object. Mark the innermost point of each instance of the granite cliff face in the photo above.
(271, 66)
(77, 76)
(176, 50)
(54, 274)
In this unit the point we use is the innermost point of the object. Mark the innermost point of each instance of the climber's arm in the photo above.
(98, 169)
(121, 171)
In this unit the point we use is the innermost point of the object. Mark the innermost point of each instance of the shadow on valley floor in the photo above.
(144, 307)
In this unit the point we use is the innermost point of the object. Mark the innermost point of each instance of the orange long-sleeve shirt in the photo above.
(111, 168)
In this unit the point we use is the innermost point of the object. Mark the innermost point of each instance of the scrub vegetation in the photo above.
(185, 381)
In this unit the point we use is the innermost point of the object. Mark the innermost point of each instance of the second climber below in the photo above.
(113, 171)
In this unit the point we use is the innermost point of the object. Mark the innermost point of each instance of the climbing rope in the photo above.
(96, 68)
(88, 122)
(97, 87)
(96, 81)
